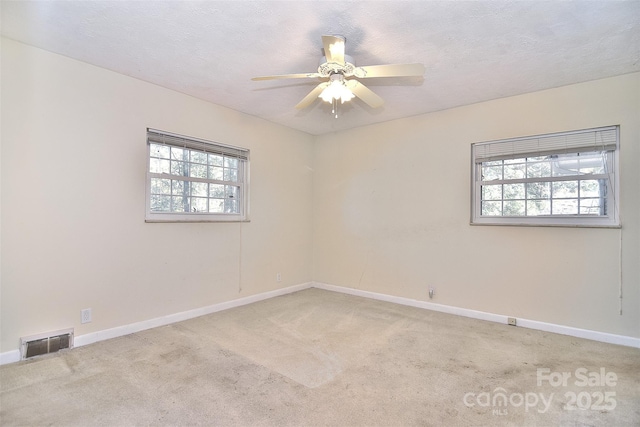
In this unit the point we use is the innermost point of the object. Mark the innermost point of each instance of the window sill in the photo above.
(158, 218)
(514, 222)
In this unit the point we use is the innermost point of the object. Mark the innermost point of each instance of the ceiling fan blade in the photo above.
(288, 76)
(390, 70)
(334, 49)
(312, 96)
(364, 93)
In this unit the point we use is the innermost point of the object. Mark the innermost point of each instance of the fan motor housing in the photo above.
(327, 68)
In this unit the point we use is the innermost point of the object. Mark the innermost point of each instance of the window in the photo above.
(567, 179)
(190, 179)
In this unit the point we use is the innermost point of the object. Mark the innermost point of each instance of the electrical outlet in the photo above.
(85, 315)
(278, 277)
(511, 321)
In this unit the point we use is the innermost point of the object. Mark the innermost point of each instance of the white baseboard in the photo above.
(9, 357)
(80, 340)
(499, 318)
(185, 315)
(14, 355)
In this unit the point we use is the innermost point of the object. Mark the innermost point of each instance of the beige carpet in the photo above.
(322, 358)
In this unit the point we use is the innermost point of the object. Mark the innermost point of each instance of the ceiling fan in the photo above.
(339, 73)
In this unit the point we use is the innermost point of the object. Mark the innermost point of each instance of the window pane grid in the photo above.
(569, 185)
(184, 180)
(168, 195)
(193, 164)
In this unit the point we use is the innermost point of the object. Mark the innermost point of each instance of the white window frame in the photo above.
(159, 137)
(603, 139)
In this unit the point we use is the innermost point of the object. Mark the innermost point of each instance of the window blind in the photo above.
(599, 139)
(166, 138)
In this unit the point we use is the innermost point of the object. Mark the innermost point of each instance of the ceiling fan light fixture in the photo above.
(337, 90)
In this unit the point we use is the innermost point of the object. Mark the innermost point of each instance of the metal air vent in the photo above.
(50, 342)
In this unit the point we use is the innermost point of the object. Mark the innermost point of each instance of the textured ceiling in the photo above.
(473, 51)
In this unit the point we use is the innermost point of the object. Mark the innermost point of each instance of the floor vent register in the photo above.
(51, 342)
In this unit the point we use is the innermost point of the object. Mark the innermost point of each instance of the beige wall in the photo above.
(383, 208)
(73, 202)
(391, 213)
